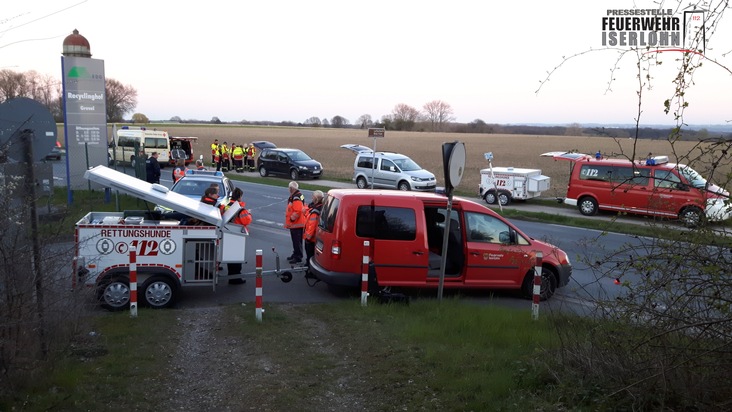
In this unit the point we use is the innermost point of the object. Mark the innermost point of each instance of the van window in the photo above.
(328, 214)
(665, 179)
(366, 162)
(126, 141)
(387, 165)
(156, 143)
(615, 174)
(488, 229)
(388, 223)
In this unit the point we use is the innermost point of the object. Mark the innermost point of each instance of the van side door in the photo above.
(497, 255)
(398, 242)
(670, 194)
(387, 173)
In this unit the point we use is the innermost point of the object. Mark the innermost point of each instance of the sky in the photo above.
(283, 60)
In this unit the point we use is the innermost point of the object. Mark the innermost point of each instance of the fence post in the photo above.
(133, 282)
(537, 286)
(258, 299)
(365, 274)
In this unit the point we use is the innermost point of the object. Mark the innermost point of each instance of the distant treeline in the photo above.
(479, 126)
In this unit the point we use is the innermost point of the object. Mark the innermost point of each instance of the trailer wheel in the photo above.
(286, 277)
(504, 198)
(587, 206)
(159, 292)
(490, 197)
(114, 293)
(548, 284)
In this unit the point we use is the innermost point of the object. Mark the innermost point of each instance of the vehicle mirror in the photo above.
(392, 169)
(504, 237)
(681, 186)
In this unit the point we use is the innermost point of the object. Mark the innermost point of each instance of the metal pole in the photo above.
(365, 273)
(133, 282)
(537, 287)
(258, 298)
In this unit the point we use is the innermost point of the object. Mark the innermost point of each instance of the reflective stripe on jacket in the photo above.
(295, 214)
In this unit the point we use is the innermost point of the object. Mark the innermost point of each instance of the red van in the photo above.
(406, 232)
(652, 187)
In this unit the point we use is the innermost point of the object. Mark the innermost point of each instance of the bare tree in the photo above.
(140, 118)
(339, 122)
(364, 121)
(438, 114)
(404, 117)
(12, 85)
(673, 321)
(325, 122)
(121, 99)
(313, 121)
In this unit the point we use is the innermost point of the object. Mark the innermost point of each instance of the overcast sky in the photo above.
(290, 60)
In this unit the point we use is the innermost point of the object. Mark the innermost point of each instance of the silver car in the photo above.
(388, 170)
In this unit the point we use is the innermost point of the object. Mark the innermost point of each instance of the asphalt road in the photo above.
(267, 204)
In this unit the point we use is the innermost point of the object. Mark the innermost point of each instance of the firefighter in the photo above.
(251, 152)
(243, 218)
(225, 155)
(311, 224)
(180, 170)
(295, 221)
(237, 152)
(214, 152)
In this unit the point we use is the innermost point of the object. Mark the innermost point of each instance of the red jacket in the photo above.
(295, 214)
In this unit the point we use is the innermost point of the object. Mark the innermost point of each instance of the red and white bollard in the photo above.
(133, 282)
(537, 286)
(365, 274)
(258, 298)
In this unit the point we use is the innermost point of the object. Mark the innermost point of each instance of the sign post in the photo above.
(375, 133)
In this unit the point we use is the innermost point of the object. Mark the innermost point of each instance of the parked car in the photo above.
(56, 152)
(388, 170)
(195, 182)
(263, 144)
(406, 238)
(288, 162)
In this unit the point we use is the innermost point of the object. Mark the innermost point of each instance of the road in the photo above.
(267, 204)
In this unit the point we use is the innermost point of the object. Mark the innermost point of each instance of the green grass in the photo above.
(423, 356)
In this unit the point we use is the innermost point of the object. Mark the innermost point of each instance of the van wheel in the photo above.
(587, 206)
(403, 186)
(132, 161)
(691, 217)
(114, 293)
(361, 182)
(262, 171)
(293, 174)
(548, 284)
(490, 197)
(159, 292)
(504, 198)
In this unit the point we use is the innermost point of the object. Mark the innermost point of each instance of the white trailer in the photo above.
(171, 253)
(504, 184)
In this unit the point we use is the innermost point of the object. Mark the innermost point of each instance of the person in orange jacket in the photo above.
(295, 221)
(180, 170)
(311, 224)
(244, 218)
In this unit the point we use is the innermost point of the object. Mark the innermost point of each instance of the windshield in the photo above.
(407, 165)
(298, 156)
(195, 188)
(694, 178)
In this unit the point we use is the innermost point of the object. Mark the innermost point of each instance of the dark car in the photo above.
(288, 162)
(263, 144)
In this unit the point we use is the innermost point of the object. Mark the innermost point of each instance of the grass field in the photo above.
(425, 148)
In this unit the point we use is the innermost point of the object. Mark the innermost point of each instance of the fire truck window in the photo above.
(665, 179)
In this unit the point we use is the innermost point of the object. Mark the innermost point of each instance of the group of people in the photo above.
(302, 221)
(236, 157)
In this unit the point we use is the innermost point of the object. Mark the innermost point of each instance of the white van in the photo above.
(122, 148)
(388, 170)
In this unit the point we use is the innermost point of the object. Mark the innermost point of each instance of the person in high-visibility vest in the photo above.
(251, 152)
(225, 155)
(244, 218)
(237, 153)
(180, 170)
(214, 152)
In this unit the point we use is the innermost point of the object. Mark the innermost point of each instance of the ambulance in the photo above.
(179, 250)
